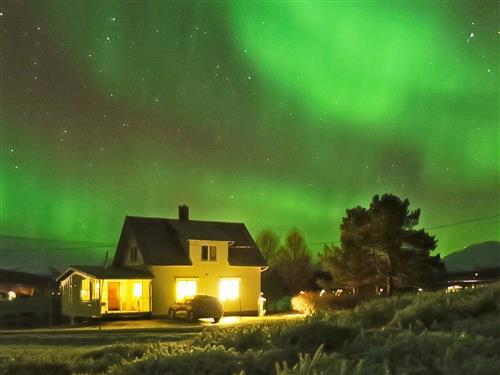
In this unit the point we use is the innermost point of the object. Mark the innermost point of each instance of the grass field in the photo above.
(429, 333)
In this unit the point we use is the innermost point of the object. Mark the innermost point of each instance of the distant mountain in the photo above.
(474, 257)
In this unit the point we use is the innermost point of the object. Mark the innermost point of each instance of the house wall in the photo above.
(208, 275)
(129, 302)
(72, 304)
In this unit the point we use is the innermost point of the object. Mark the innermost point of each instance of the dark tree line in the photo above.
(290, 268)
(379, 247)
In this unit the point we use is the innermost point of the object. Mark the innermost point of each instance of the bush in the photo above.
(434, 333)
(100, 360)
(240, 339)
(198, 362)
(119, 351)
(379, 311)
(308, 337)
(310, 303)
(444, 309)
(32, 368)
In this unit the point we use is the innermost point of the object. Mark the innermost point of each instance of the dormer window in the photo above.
(208, 253)
(133, 254)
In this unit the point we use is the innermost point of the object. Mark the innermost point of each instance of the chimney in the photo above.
(183, 213)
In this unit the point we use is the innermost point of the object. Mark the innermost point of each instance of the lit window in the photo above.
(185, 288)
(86, 291)
(96, 289)
(138, 290)
(229, 289)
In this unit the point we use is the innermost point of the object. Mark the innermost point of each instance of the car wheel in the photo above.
(190, 316)
(171, 314)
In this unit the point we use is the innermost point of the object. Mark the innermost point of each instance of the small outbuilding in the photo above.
(95, 291)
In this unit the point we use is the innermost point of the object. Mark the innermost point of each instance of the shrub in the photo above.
(100, 360)
(120, 351)
(33, 368)
(308, 337)
(379, 311)
(310, 303)
(240, 338)
(434, 309)
(434, 333)
(216, 361)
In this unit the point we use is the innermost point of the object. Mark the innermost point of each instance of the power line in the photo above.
(97, 245)
(38, 239)
(462, 222)
(59, 248)
(430, 228)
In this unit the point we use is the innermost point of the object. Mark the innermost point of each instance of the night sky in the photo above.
(278, 115)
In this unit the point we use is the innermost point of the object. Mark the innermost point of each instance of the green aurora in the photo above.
(276, 114)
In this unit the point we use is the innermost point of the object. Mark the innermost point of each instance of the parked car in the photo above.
(196, 307)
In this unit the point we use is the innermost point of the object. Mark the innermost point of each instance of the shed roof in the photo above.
(18, 277)
(101, 272)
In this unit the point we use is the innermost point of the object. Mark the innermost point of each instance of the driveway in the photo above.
(153, 325)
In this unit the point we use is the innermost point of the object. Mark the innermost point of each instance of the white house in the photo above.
(160, 261)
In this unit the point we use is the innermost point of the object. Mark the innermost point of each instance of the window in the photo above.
(138, 289)
(208, 253)
(96, 289)
(133, 254)
(185, 288)
(229, 289)
(86, 291)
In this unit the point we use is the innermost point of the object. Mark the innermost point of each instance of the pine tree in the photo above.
(268, 242)
(381, 245)
(294, 262)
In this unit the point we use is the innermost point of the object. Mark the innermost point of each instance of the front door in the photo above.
(113, 296)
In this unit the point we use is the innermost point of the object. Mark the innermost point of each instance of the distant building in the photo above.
(161, 261)
(23, 284)
(455, 281)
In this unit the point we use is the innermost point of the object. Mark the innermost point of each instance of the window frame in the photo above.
(134, 254)
(185, 279)
(210, 252)
(229, 298)
(86, 290)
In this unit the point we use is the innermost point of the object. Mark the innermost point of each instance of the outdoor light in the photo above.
(12, 295)
(229, 289)
(322, 292)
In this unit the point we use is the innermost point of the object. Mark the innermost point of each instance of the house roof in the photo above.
(18, 277)
(100, 272)
(165, 241)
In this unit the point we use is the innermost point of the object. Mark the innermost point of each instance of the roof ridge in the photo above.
(190, 220)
